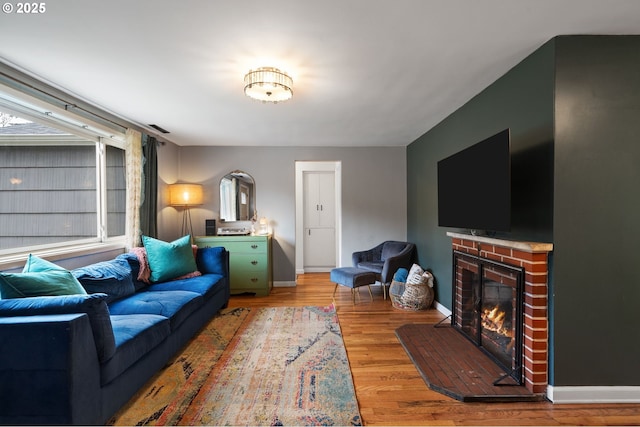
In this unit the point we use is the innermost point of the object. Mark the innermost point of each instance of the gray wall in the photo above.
(373, 192)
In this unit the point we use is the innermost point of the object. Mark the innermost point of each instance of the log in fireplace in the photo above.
(488, 310)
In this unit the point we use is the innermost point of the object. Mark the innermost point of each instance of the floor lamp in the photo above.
(185, 196)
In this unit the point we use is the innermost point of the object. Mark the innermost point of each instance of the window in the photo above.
(58, 187)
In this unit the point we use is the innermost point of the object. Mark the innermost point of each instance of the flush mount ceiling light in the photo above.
(268, 84)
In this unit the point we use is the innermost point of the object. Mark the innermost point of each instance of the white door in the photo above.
(319, 220)
(318, 217)
(319, 249)
(319, 200)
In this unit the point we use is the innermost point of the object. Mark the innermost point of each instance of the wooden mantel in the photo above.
(533, 247)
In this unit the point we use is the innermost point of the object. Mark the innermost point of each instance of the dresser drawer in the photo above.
(242, 261)
(248, 280)
(246, 247)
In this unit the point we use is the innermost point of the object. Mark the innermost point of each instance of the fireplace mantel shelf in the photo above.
(533, 247)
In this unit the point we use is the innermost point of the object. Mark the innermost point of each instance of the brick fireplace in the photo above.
(532, 258)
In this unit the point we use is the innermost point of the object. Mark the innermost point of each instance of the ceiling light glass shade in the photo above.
(185, 194)
(268, 84)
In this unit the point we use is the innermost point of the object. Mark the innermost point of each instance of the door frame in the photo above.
(312, 166)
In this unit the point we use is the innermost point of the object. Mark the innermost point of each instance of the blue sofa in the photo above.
(77, 359)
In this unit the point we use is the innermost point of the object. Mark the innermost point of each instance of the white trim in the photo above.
(46, 140)
(60, 253)
(313, 166)
(284, 284)
(594, 394)
(30, 107)
(317, 270)
(442, 309)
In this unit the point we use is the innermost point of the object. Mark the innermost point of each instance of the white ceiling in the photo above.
(366, 72)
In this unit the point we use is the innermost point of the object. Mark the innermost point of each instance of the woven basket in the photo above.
(416, 294)
(417, 297)
(395, 292)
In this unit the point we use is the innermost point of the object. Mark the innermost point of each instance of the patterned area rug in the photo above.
(284, 366)
(166, 396)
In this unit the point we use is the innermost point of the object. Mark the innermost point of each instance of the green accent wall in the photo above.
(522, 100)
(573, 107)
(596, 272)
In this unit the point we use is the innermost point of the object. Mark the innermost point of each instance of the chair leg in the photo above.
(370, 294)
(334, 291)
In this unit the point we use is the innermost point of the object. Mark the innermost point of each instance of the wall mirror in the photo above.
(237, 197)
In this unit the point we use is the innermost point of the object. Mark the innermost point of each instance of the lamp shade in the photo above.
(185, 194)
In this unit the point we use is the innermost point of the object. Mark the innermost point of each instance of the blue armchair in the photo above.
(385, 259)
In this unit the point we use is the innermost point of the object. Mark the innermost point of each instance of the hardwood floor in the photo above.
(390, 390)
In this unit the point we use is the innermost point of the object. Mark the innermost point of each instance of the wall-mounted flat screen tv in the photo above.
(474, 186)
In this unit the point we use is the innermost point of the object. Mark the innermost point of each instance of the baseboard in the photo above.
(594, 394)
(284, 284)
(442, 309)
(317, 270)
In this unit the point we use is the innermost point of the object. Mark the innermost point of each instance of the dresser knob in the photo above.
(254, 279)
(254, 246)
(254, 262)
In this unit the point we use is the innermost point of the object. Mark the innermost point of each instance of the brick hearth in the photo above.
(533, 257)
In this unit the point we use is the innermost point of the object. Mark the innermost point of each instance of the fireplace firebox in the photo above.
(489, 309)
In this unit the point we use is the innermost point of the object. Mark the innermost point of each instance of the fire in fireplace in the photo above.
(488, 309)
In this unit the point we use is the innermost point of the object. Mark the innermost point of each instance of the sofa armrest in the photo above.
(49, 370)
(213, 260)
(358, 257)
(403, 259)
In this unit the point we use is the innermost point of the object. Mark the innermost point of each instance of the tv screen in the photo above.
(474, 186)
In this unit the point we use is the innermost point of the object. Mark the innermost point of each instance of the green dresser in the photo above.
(249, 261)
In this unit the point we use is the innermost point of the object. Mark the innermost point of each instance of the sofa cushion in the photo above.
(168, 260)
(109, 277)
(93, 305)
(135, 335)
(211, 260)
(175, 305)
(206, 285)
(41, 283)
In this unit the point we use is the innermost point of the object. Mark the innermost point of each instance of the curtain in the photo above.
(133, 159)
(149, 206)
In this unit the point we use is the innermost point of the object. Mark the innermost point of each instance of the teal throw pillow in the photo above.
(168, 260)
(38, 284)
(35, 264)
